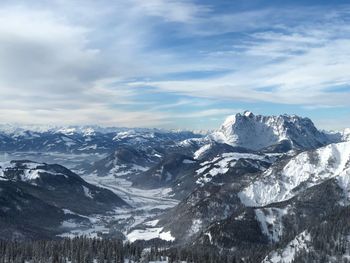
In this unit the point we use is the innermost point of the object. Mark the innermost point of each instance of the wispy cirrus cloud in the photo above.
(304, 64)
(145, 63)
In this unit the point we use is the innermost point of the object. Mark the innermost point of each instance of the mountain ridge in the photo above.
(257, 132)
(253, 188)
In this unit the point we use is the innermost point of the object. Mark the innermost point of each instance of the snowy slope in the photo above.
(301, 172)
(56, 181)
(215, 185)
(257, 132)
(29, 171)
(346, 134)
(287, 254)
(223, 163)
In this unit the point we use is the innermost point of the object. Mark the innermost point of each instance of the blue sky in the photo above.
(173, 64)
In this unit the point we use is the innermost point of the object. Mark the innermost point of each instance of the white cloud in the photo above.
(53, 67)
(298, 66)
(337, 123)
(171, 10)
(49, 73)
(211, 113)
(77, 62)
(41, 55)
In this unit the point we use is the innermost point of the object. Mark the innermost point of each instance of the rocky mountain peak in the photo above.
(257, 132)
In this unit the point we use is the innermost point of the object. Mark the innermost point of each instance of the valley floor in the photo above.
(137, 222)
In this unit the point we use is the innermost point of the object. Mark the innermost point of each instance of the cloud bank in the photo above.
(146, 63)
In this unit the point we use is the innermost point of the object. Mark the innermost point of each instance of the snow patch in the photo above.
(270, 220)
(2, 176)
(210, 237)
(152, 223)
(187, 161)
(87, 192)
(222, 164)
(195, 227)
(287, 254)
(149, 233)
(201, 151)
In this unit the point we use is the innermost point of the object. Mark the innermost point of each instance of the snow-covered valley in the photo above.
(145, 204)
(267, 184)
(136, 222)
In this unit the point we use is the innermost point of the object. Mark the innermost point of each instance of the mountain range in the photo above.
(263, 188)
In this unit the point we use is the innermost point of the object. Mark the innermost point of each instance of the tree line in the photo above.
(94, 250)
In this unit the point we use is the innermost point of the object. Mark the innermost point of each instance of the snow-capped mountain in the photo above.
(83, 139)
(283, 181)
(346, 134)
(11, 129)
(259, 189)
(61, 181)
(339, 136)
(240, 200)
(258, 132)
(37, 198)
(216, 183)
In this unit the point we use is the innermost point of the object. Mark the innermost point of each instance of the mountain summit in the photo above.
(257, 132)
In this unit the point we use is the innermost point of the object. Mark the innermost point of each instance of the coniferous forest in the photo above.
(328, 243)
(86, 250)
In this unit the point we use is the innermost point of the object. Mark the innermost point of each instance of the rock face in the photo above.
(257, 132)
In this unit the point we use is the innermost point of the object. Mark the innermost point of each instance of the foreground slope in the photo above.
(36, 198)
(267, 207)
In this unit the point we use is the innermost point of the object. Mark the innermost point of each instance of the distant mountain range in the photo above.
(82, 139)
(255, 132)
(262, 188)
